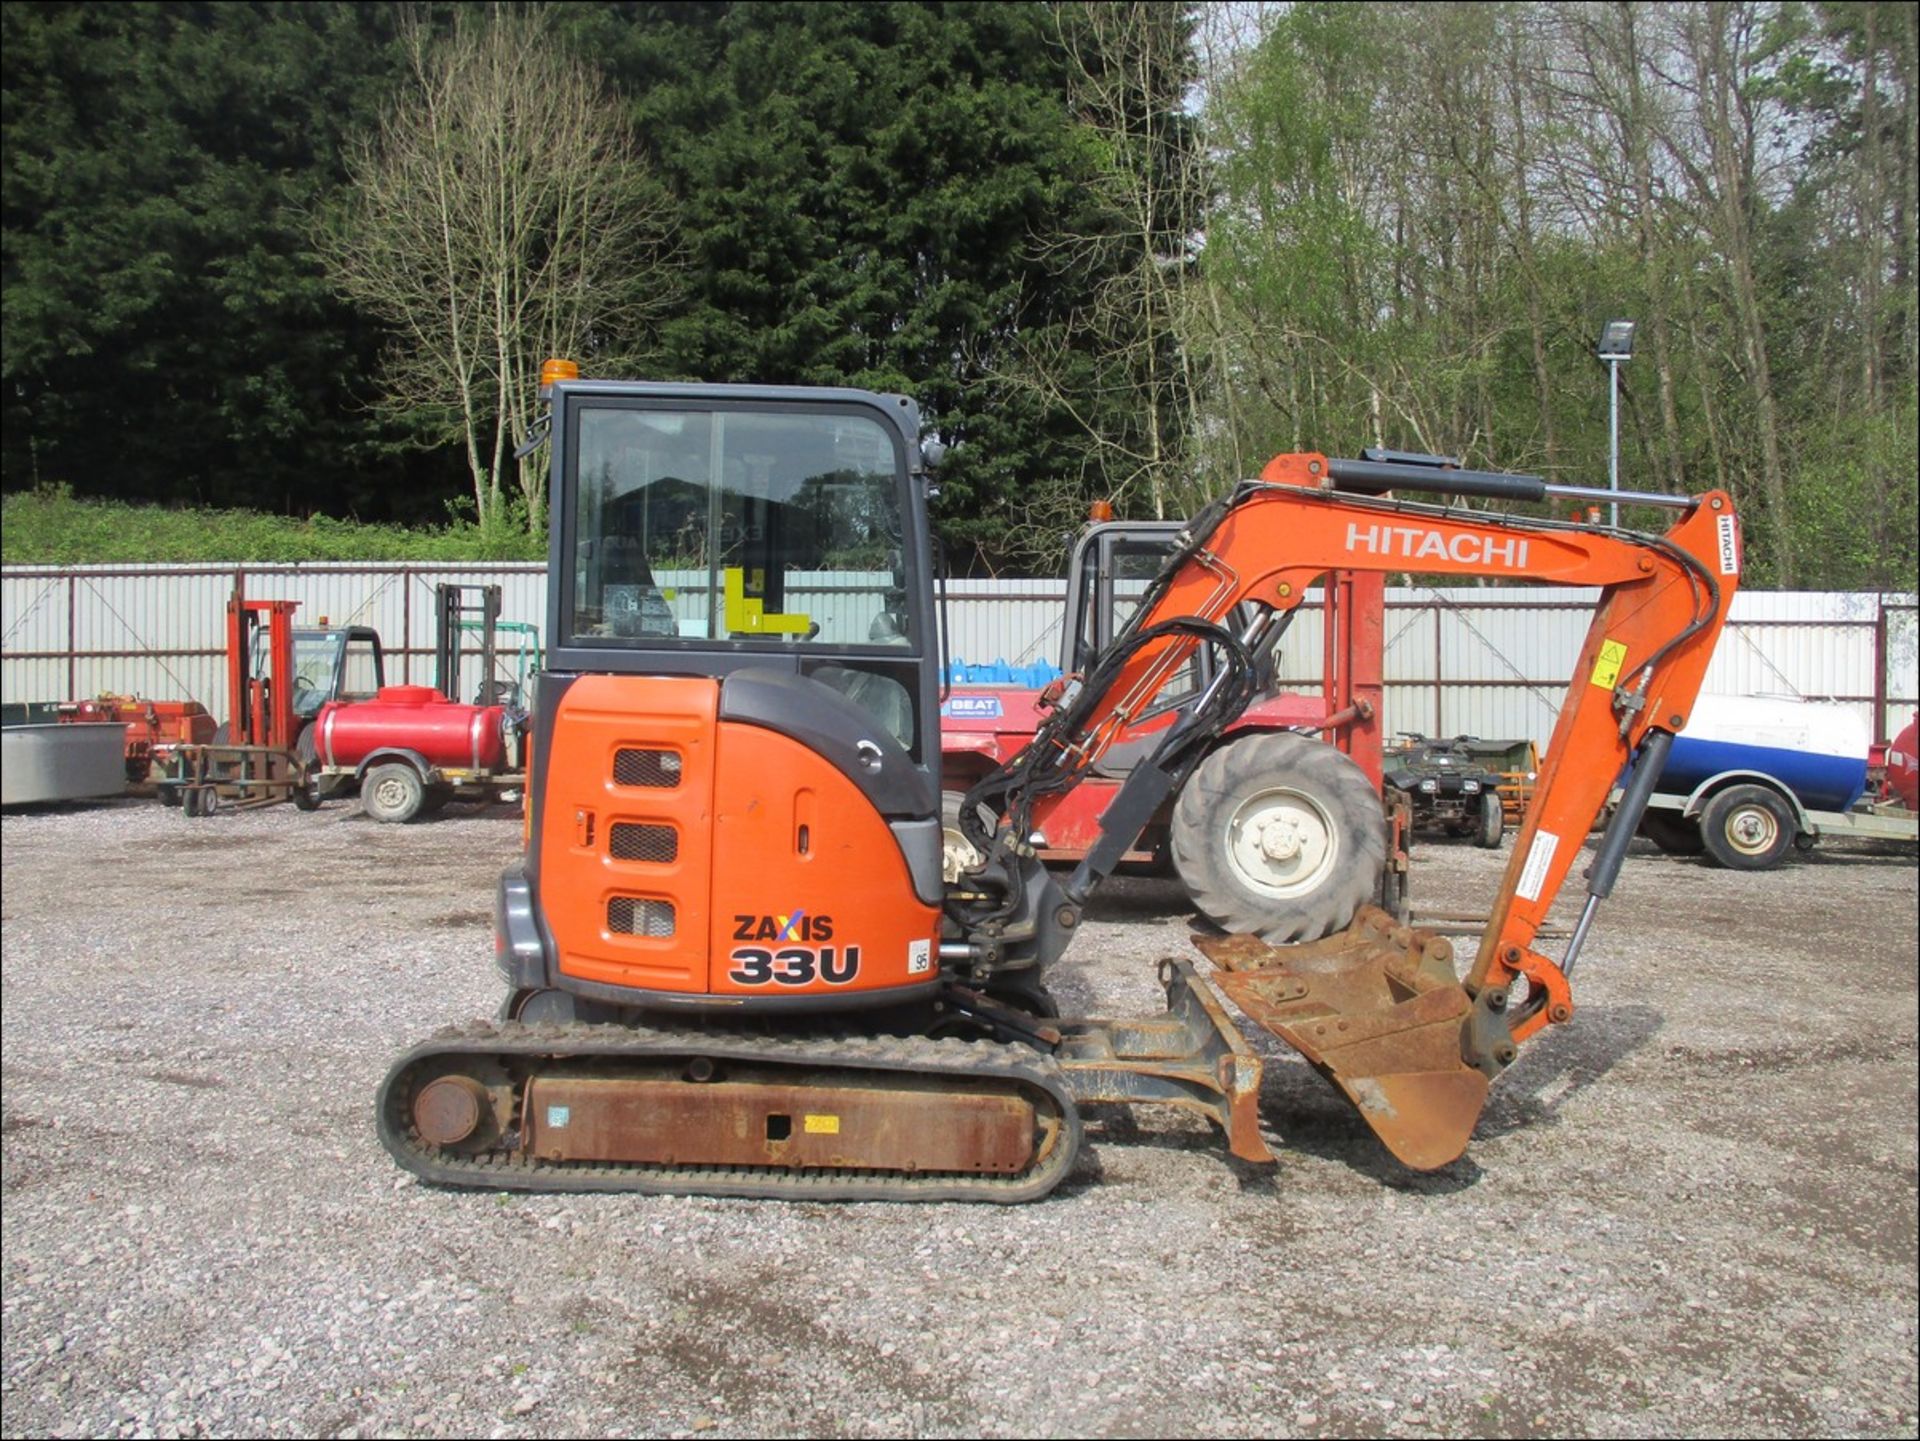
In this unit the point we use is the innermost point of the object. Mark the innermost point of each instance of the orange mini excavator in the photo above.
(734, 963)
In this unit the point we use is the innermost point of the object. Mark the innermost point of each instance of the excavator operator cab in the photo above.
(704, 530)
(738, 724)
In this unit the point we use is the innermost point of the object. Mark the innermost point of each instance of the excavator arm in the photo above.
(1378, 1009)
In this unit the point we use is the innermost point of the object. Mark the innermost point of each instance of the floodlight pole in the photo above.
(1613, 438)
(1615, 348)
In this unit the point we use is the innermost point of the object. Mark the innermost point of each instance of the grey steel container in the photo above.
(62, 762)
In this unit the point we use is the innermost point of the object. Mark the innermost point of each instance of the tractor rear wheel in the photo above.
(392, 793)
(957, 853)
(1278, 836)
(306, 785)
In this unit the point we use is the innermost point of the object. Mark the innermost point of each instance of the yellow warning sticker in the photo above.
(821, 1125)
(1606, 670)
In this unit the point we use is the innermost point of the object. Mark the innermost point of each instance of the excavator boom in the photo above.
(1378, 1009)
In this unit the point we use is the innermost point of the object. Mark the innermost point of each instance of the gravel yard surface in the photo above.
(1691, 1212)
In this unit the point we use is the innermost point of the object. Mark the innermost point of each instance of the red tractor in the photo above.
(1275, 832)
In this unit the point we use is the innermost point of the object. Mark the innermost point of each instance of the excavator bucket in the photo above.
(1378, 1012)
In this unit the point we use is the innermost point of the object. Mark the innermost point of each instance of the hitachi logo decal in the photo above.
(1411, 543)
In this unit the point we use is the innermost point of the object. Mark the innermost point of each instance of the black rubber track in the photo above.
(524, 1049)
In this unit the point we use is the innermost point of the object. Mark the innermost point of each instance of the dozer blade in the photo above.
(1378, 1012)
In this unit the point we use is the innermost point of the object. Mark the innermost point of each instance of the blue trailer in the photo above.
(1753, 777)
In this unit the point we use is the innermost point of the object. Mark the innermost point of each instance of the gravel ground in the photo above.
(1692, 1212)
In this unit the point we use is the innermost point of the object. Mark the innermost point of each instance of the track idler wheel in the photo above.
(450, 1110)
(463, 1104)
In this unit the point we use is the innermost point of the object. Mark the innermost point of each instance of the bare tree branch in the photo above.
(500, 216)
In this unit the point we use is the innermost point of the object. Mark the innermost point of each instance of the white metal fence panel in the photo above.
(160, 631)
(1486, 661)
(1901, 664)
(1494, 662)
(1798, 643)
(33, 629)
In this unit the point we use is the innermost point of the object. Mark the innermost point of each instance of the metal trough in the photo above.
(41, 763)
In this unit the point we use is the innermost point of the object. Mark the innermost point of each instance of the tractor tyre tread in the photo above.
(1492, 827)
(1232, 778)
(306, 795)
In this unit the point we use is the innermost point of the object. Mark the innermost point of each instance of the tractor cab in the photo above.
(329, 663)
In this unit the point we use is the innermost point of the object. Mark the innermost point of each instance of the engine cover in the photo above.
(680, 856)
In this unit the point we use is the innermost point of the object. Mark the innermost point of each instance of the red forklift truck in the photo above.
(249, 761)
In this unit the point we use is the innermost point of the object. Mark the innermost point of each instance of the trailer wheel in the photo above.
(1747, 828)
(1493, 822)
(392, 793)
(1280, 836)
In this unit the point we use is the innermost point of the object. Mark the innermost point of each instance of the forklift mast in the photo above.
(261, 705)
(458, 608)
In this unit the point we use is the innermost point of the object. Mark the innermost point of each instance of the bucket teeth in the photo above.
(1377, 1010)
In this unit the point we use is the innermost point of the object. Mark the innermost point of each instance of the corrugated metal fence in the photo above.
(1490, 662)
(1494, 661)
(160, 631)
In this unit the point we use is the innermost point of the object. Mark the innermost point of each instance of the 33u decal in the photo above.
(794, 965)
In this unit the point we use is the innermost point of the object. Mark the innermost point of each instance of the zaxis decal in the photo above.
(795, 926)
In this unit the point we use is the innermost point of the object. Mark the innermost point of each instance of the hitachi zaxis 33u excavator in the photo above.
(734, 964)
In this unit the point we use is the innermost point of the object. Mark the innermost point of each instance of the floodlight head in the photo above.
(1616, 340)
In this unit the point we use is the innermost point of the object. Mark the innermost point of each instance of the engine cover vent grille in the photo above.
(655, 769)
(640, 916)
(633, 841)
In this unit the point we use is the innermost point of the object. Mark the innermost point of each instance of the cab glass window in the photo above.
(360, 676)
(1135, 563)
(737, 527)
